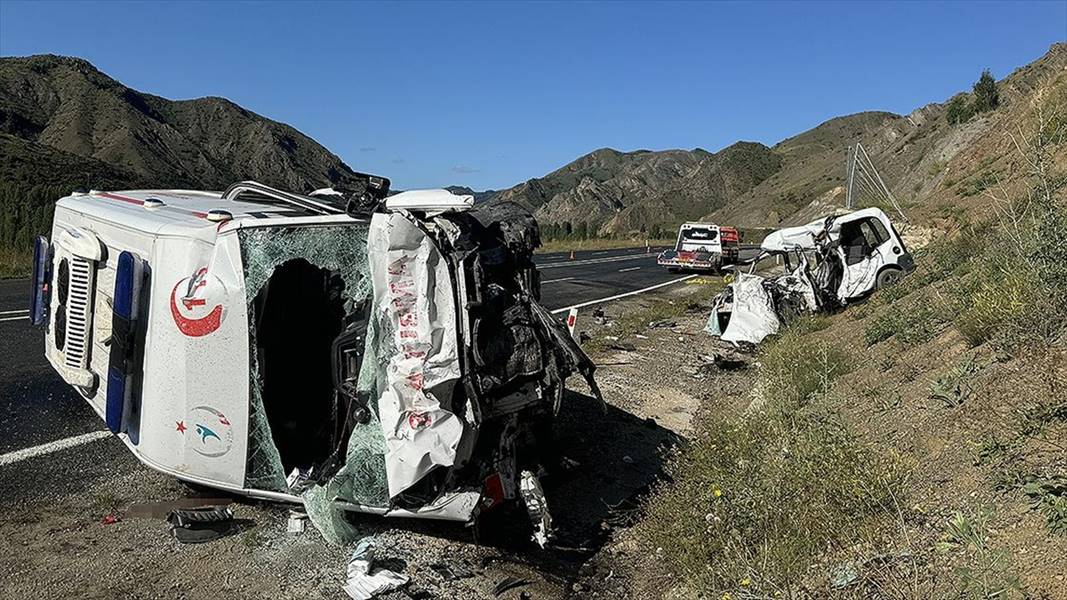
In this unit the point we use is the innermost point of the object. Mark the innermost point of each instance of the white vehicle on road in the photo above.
(853, 253)
(392, 356)
(702, 247)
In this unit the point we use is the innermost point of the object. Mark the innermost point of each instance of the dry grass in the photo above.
(757, 498)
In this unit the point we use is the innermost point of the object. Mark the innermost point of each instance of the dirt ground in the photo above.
(57, 542)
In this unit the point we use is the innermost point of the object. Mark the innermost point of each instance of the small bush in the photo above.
(912, 324)
(959, 110)
(796, 369)
(755, 500)
(986, 572)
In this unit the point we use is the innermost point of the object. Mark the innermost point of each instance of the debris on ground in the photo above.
(161, 510)
(727, 359)
(451, 572)
(533, 496)
(623, 346)
(199, 525)
(508, 583)
(664, 324)
(363, 580)
(297, 521)
(109, 519)
(600, 317)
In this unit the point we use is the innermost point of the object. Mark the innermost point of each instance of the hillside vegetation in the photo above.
(64, 124)
(911, 446)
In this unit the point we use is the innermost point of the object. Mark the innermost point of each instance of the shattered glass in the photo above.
(343, 250)
(362, 478)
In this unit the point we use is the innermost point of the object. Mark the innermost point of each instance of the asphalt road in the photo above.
(37, 407)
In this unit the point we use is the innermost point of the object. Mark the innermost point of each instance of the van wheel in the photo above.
(888, 277)
(673, 269)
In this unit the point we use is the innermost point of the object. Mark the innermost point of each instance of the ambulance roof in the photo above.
(178, 211)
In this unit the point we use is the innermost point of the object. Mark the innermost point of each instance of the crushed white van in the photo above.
(853, 254)
(386, 354)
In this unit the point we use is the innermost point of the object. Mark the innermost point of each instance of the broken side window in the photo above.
(306, 287)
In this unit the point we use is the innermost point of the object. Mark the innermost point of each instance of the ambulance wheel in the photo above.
(888, 277)
(673, 269)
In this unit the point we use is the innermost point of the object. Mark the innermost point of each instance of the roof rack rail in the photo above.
(258, 189)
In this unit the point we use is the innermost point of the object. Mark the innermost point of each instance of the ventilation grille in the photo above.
(79, 317)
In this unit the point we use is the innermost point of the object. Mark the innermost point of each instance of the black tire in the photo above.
(673, 269)
(888, 277)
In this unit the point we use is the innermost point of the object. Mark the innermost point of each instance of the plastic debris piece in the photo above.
(664, 324)
(199, 525)
(297, 521)
(298, 480)
(536, 507)
(451, 572)
(109, 520)
(364, 581)
(508, 583)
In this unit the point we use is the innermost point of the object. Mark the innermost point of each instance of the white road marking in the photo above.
(601, 252)
(50, 447)
(617, 296)
(22, 311)
(26, 317)
(555, 280)
(592, 261)
(629, 269)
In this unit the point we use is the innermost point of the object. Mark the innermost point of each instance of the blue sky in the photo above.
(488, 95)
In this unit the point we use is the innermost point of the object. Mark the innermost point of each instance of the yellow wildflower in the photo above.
(746, 582)
(717, 492)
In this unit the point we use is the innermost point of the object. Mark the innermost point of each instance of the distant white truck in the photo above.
(266, 343)
(702, 247)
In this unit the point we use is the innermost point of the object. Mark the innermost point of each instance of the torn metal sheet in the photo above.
(413, 306)
(363, 581)
(753, 317)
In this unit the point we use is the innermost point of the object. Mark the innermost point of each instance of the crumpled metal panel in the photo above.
(418, 365)
(753, 317)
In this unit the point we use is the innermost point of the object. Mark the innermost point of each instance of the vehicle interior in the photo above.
(299, 313)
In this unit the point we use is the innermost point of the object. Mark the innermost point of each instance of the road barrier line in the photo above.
(50, 447)
(23, 317)
(629, 269)
(617, 296)
(21, 311)
(591, 261)
(560, 279)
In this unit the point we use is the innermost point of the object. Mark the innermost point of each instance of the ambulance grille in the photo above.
(79, 318)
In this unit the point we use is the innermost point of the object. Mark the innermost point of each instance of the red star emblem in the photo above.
(180, 427)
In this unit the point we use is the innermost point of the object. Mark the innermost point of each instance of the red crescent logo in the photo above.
(194, 327)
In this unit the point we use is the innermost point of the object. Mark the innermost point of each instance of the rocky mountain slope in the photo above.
(936, 170)
(63, 112)
(615, 192)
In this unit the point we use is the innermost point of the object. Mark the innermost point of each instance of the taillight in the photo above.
(42, 275)
(123, 401)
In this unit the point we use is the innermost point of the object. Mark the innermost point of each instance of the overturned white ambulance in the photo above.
(385, 354)
(853, 254)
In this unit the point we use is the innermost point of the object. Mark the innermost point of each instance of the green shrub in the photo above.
(796, 369)
(750, 506)
(985, 92)
(910, 324)
(959, 110)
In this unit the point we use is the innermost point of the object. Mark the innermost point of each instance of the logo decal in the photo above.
(213, 429)
(205, 432)
(194, 302)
